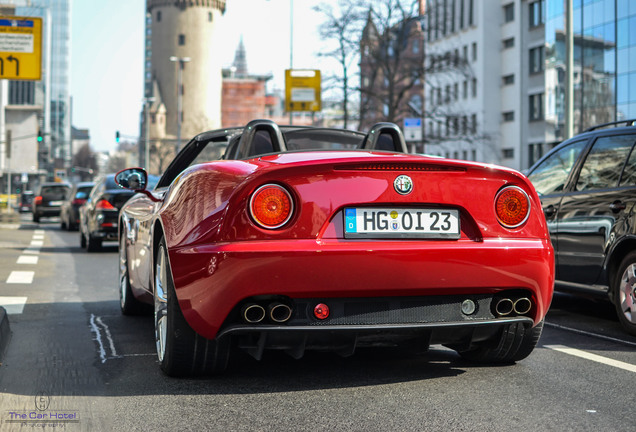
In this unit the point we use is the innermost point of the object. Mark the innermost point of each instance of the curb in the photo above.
(10, 218)
(5, 332)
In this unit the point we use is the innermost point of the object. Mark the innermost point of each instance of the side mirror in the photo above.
(132, 178)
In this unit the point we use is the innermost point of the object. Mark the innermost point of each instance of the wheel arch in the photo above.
(615, 257)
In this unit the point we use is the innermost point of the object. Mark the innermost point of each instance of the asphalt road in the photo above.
(78, 364)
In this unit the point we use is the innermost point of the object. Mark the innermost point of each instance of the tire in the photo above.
(181, 351)
(93, 244)
(127, 301)
(36, 218)
(624, 293)
(82, 240)
(514, 343)
(63, 225)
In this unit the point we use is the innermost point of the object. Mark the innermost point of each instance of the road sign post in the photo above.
(20, 48)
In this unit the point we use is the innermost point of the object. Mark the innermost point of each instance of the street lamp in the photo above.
(147, 102)
(181, 61)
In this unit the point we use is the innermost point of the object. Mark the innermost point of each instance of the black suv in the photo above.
(587, 187)
(48, 200)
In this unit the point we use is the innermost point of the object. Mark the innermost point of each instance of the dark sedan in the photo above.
(98, 216)
(69, 216)
(49, 199)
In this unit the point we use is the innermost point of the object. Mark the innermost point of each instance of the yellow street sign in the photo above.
(20, 48)
(302, 90)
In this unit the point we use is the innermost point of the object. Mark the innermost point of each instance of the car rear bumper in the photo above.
(212, 281)
(344, 339)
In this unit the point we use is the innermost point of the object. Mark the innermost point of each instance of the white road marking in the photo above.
(27, 259)
(583, 332)
(593, 357)
(38, 232)
(20, 277)
(95, 323)
(13, 305)
(36, 243)
(32, 250)
(38, 236)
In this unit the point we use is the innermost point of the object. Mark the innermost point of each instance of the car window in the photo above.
(82, 193)
(629, 173)
(550, 176)
(603, 165)
(54, 192)
(110, 183)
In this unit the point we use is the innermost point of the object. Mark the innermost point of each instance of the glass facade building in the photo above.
(56, 73)
(604, 54)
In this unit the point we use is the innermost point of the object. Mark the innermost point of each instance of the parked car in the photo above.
(48, 200)
(328, 239)
(587, 187)
(26, 201)
(98, 215)
(69, 214)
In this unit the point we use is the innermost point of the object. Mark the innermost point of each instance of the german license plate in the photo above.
(387, 222)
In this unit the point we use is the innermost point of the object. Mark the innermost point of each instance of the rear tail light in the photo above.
(104, 205)
(78, 201)
(37, 200)
(271, 206)
(512, 206)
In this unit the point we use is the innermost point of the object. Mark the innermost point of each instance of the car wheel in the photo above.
(515, 343)
(36, 218)
(624, 293)
(180, 349)
(82, 240)
(129, 304)
(93, 244)
(63, 225)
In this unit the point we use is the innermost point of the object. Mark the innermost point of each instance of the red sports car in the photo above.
(295, 238)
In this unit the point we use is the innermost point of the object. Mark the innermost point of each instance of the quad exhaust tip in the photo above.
(253, 313)
(279, 312)
(506, 306)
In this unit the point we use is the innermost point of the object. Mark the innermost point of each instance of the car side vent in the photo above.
(397, 167)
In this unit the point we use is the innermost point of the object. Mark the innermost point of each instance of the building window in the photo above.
(465, 52)
(471, 12)
(473, 124)
(509, 43)
(508, 153)
(461, 13)
(210, 16)
(181, 39)
(415, 48)
(474, 87)
(508, 79)
(465, 89)
(509, 116)
(509, 12)
(455, 91)
(536, 107)
(536, 60)
(474, 51)
(537, 13)
(158, 16)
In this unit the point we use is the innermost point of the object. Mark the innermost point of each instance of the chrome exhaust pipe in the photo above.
(279, 312)
(523, 306)
(253, 313)
(504, 307)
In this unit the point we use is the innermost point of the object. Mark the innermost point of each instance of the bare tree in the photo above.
(342, 26)
(86, 161)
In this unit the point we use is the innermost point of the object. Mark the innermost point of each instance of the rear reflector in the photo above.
(271, 206)
(78, 201)
(321, 311)
(512, 206)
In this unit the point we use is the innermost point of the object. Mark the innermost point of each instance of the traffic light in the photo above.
(117, 136)
(40, 136)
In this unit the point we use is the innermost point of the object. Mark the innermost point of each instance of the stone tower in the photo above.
(186, 31)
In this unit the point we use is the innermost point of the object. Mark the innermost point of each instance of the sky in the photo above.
(107, 40)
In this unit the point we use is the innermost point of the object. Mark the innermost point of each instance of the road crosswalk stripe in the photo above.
(27, 259)
(20, 277)
(13, 305)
